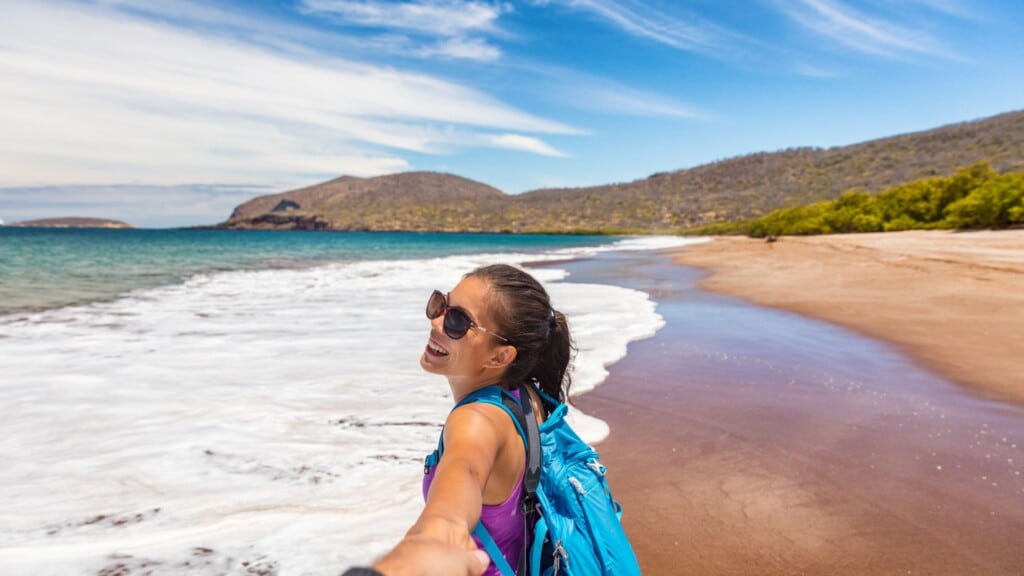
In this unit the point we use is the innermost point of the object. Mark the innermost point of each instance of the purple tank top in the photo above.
(503, 521)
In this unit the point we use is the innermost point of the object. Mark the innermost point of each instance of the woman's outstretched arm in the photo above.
(439, 543)
(471, 445)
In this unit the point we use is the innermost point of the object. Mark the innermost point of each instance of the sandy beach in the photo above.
(954, 301)
(753, 440)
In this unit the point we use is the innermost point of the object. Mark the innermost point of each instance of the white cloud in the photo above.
(460, 48)
(433, 17)
(525, 143)
(454, 29)
(641, 19)
(90, 94)
(863, 33)
(589, 92)
(611, 98)
(950, 7)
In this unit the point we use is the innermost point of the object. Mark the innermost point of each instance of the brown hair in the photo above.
(522, 311)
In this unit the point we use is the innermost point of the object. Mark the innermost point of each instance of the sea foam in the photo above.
(247, 422)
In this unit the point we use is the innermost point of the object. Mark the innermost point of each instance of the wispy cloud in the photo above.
(640, 19)
(448, 28)
(952, 7)
(525, 143)
(592, 93)
(613, 98)
(858, 31)
(108, 95)
(459, 48)
(434, 17)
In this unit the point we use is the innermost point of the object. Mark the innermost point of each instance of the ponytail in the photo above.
(522, 311)
(551, 370)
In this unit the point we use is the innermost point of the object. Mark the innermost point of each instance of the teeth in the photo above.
(436, 349)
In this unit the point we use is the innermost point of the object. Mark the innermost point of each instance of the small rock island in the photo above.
(71, 222)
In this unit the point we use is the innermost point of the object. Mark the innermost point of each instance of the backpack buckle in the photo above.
(430, 461)
(526, 506)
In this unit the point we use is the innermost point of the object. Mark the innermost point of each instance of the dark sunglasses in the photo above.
(456, 321)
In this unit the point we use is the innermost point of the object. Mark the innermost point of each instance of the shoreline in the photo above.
(953, 301)
(767, 442)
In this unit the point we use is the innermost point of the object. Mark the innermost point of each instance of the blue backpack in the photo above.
(572, 525)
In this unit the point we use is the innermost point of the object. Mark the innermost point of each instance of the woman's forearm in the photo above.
(453, 504)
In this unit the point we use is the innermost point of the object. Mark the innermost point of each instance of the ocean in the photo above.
(236, 402)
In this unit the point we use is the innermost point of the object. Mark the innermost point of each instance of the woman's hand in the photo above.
(444, 529)
(421, 555)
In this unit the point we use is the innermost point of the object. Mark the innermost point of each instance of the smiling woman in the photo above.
(495, 329)
(509, 475)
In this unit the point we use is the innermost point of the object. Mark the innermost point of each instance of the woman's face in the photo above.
(472, 354)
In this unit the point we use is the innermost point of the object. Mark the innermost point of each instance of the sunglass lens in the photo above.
(456, 323)
(435, 305)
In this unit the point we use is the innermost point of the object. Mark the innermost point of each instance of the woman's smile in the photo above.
(435, 349)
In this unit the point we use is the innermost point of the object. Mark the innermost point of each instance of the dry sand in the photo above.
(953, 301)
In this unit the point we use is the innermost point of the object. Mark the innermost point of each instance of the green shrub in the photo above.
(797, 221)
(854, 212)
(976, 196)
(998, 203)
(926, 201)
(902, 222)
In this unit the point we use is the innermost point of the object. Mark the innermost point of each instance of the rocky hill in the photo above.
(405, 201)
(71, 222)
(734, 189)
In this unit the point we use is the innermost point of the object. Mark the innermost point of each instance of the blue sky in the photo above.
(171, 113)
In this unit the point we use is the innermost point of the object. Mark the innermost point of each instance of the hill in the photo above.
(71, 222)
(735, 189)
(405, 201)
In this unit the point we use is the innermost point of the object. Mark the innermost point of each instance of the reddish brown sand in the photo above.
(746, 440)
(955, 301)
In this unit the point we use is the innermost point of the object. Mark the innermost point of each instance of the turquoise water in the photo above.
(47, 267)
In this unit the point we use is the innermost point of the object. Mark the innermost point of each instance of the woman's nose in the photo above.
(438, 323)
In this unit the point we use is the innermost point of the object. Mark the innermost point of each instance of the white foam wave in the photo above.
(270, 419)
(654, 242)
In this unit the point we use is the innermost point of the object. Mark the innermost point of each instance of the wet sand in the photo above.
(953, 301)
(747, 440)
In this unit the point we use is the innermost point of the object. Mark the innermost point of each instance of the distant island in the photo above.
(729, 191)
(71, 222)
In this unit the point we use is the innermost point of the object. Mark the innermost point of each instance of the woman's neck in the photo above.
(464, 386)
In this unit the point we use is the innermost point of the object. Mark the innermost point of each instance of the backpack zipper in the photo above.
(558, 554)
(577, 485)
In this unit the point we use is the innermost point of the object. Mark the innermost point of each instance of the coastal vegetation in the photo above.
(720, 197)
(974, 197)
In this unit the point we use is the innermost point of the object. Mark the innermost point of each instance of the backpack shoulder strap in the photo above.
(492, 549)
(497, 396)
(532, 439)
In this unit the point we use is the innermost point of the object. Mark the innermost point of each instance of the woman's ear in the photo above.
(502, 356)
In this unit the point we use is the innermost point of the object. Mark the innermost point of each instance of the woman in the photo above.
(496, 327)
